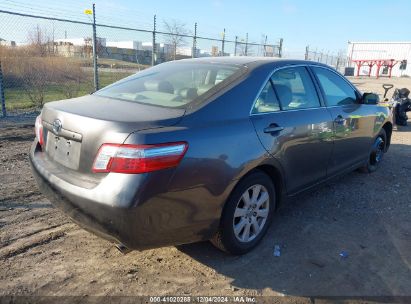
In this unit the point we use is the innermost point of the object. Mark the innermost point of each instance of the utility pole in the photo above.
(265, 46)
(3, 101)
(280, 49)
(194, 41)
(235, 46)
(95, 49)
(246, 44)
(307, 49)
(222, 43)
(153, 49)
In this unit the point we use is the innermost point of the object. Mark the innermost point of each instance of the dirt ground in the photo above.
(368, 216)
(366, 84)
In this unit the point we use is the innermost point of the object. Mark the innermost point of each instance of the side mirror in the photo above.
(370, 98)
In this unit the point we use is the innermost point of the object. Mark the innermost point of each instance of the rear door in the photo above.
(353, 122)
(294, 126)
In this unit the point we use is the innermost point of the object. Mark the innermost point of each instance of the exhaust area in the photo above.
(123, 249)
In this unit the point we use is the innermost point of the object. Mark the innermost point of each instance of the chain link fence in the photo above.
(36, 67)
(338, 61)
(45, 58)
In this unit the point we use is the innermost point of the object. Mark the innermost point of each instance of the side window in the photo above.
(266, 101)
(295, 89)
(337, 91)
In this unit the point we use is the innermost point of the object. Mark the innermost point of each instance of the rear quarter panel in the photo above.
(223, 147)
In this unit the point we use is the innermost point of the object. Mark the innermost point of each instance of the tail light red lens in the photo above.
(38, 128)
(138, 158)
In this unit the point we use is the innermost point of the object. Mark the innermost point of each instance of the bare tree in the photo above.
(175, 29)
(69, 76)
(240, 48)
(40, 42)
(244, 48)
(36, 75)
(87, 49)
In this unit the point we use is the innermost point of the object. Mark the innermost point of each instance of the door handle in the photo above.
(273, 129)
(339, 120)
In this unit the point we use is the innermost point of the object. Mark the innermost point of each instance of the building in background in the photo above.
(80, 41)
(188, 51)
(380, 58)
(4, 42)
(163, 48)
(130, 44)
(214, 50)
(204, 53)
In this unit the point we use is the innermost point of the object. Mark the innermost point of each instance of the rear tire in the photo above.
(376, 154)
(247, 214)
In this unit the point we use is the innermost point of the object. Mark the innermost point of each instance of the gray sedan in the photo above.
(203, 149)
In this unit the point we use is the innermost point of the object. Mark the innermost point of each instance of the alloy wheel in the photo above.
(378, 153)
(251, 213)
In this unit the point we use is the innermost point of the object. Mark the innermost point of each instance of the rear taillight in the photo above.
(138, 158)
(38, 127)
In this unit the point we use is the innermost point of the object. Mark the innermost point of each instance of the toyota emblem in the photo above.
(57, 125)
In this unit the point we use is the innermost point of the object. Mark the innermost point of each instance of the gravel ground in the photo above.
(368, 216)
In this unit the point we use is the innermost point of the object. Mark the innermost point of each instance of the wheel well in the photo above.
(276, 178)
(388, 130)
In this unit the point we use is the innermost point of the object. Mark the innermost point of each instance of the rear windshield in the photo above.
(170, 85)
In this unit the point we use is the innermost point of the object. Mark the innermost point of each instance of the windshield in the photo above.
(170, 85)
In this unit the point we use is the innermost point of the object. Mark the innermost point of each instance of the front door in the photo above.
(294, 127)
(353, 121)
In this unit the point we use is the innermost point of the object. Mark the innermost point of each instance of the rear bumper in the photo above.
(140, 219)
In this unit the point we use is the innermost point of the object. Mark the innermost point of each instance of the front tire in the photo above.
(377, 153)
(246, 215)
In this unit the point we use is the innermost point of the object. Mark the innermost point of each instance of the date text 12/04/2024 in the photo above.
(202, 299)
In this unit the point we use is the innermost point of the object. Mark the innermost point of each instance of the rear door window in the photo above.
(267, 100)
(295, 89)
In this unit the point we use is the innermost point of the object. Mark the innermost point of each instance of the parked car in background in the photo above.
(203, 149)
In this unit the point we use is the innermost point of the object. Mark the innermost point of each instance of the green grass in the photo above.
(18, 99)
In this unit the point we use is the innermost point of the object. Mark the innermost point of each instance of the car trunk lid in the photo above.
(74, 129)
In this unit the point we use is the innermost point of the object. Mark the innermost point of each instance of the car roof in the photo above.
(248, 60)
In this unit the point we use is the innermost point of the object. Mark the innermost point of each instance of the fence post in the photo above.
(95, 49)
(194, 41)
(307, 49)
(235, 45)
(246, 44)
(280, 48)
(153, 49)
(222, 43)
(3, 100)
